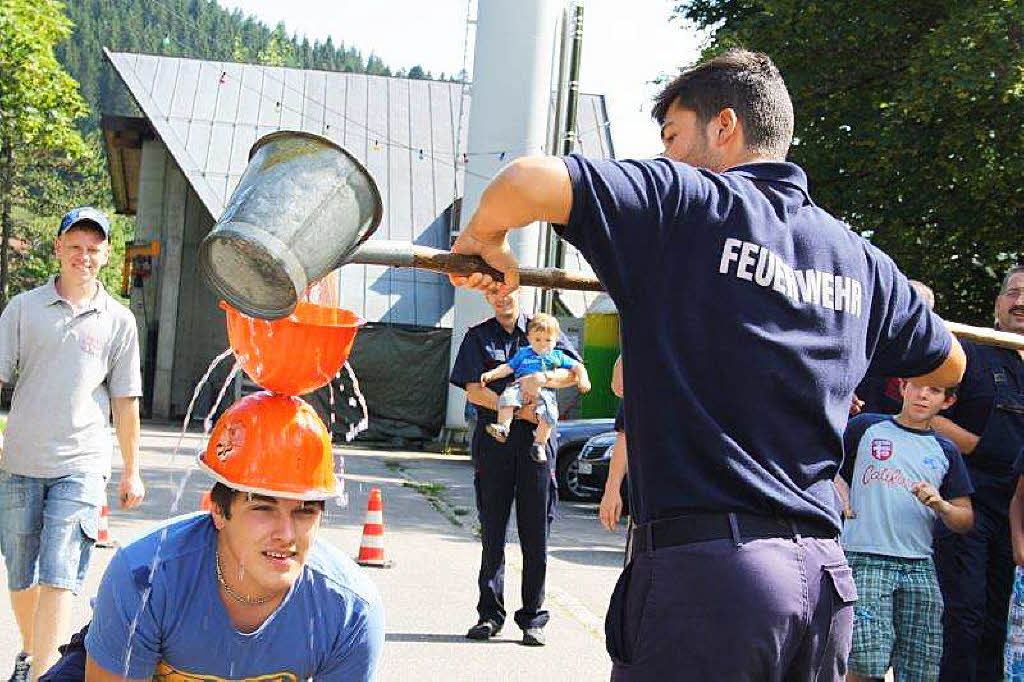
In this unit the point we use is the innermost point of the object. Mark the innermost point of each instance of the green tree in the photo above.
(39, 101)
(418, 73)
(909, 122)
(279, 49)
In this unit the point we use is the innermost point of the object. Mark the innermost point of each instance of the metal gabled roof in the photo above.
(208, 114)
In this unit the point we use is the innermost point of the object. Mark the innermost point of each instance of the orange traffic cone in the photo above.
(103, 537)
(207, 503)
(371, 549)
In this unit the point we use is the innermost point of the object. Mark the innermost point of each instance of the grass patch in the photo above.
(434, 494)
(432, 489)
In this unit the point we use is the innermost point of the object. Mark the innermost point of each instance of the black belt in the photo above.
(683, 530)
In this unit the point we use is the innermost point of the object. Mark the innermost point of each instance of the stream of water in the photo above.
(351, 432)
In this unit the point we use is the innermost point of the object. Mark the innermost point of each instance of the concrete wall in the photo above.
(180, 327)
(201, 334)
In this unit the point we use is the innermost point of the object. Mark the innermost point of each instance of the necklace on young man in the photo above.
(241, 598)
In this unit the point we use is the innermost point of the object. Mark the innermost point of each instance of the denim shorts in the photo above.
(48, 527)
(547, 405)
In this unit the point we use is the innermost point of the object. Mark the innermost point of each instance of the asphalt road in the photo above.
(430, 592)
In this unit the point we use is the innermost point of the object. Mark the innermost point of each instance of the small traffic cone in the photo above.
(207, 503)
(371, 549)
(103, 537)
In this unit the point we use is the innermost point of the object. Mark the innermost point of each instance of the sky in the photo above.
(626, 44)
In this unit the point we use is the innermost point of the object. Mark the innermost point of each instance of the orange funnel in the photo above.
(296, 354)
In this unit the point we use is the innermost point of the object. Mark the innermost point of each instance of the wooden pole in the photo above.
(405, 255)
(989, 337)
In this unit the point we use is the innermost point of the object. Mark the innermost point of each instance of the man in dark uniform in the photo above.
(504, 472)
(976, 570)
(748, 316)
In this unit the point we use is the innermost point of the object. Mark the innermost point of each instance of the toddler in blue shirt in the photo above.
(542, 333)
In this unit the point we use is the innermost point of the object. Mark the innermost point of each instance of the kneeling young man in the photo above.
(247, 591)
(901, 476)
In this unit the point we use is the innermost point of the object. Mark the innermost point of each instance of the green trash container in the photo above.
(600, 349)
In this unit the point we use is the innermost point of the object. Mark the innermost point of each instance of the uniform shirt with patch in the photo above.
(884, 461)
(994, 376)
(173, 624)
(748, 316)
(68, 367)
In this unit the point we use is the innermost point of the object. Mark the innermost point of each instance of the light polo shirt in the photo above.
(68, 366)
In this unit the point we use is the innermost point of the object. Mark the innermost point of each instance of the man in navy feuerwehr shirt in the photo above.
(748, 316)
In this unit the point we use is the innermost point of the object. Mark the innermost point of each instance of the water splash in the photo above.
(342, 500)
(332, 418)
(207, 425)
(142, 605)
(195, 396)
(179, 493)
(339, 460)
(360, 426)
(220, 396)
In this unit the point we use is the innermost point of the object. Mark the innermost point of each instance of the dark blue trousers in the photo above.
(976, 576)
(505, 473)
(772, 610)
(71, 665)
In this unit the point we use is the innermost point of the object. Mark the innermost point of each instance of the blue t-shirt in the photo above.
(748, 315)
(330, 626)
(884, 461)
(526, 361)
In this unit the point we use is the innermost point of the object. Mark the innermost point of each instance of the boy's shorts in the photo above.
(1013, 660)
(898, 619)
(48, 527)
(547, 406)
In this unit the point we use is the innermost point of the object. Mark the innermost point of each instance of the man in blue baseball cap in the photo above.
(75, 352)
(84, 216)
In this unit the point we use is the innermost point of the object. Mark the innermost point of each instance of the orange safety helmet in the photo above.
(273, 445)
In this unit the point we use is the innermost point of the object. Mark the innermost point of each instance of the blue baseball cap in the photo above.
(85, 214)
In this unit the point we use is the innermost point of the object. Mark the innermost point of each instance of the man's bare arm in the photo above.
(965, 440)
(843, 488)
(611, 500)
(530, 188)
(478, 394)
(129, 434)
(617, 377)
(950, 372)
